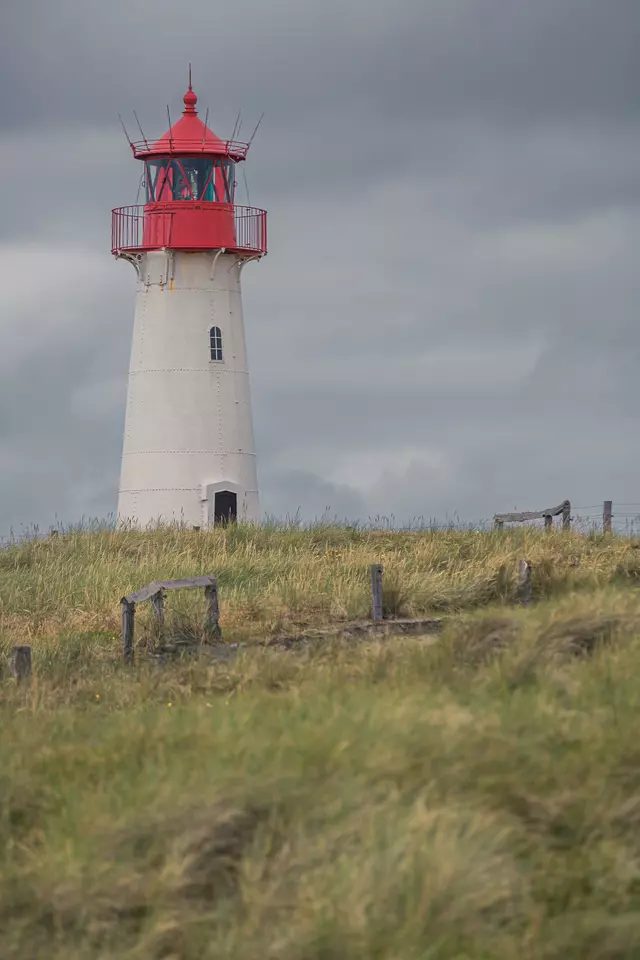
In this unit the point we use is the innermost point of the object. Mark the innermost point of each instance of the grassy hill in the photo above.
(473, 797)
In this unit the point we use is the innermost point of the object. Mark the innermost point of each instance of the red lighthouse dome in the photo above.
(190, 181)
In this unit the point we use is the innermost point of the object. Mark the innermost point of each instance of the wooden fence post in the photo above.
(498, 524)
(525, 582)
(566, 515)
(213, 610)
(157, 602)
(128, 621)
(20, 663)
(607, 516)
(548, 522)
(376, 592)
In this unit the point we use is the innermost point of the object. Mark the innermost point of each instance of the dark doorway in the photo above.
(225, 508)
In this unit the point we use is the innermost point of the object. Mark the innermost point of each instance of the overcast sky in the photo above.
(447, 321)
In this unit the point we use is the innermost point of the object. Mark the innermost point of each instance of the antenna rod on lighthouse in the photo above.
(189, 76)
(170, 129)
(125, 133)
(141, 130)
(235, 126)
(204, 132)
(256, 129)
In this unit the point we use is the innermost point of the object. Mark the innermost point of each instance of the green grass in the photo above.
(474, 796)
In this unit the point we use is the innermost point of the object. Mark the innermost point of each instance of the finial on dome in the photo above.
(190, 99)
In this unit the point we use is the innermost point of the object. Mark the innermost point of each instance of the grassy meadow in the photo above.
(474, 795)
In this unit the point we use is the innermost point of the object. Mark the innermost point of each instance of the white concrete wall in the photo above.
(188, 419)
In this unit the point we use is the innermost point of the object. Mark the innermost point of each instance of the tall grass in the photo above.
(273, 577)
(474, 797)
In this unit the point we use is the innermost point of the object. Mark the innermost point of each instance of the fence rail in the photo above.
(562, 510)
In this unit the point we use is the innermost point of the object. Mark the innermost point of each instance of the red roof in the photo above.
(190, 135)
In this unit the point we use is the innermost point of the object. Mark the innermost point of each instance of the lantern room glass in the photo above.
(190, 178)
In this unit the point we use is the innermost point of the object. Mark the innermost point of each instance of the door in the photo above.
(225, 507)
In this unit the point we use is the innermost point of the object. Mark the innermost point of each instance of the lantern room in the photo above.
(190, 183)
(190, 178)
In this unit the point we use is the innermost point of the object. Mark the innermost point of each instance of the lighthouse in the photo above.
(188, 452)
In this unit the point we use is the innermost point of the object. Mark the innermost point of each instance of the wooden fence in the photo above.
(156, 592)
(562, 510)
(379, 623)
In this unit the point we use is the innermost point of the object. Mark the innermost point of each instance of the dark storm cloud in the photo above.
(446, 321)
(552, 58)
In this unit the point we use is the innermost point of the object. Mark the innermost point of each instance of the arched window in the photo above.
(215, 343)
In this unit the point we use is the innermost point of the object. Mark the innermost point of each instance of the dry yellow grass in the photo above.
(271, 579)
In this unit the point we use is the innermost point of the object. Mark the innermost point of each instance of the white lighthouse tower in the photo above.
(188, 452)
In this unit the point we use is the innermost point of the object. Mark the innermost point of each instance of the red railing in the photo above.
(126, 228)
(177, 146)
(251, 228)
(189, 226)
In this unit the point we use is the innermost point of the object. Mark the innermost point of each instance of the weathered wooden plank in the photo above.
(521, 517)
(190, 583)
(213, 609)
(525, 582)
(357, 630)
(376, 593)
(566, 515)
(501, 518)
(607, 516)
(128, 620)
(548, 522)
(20, 663)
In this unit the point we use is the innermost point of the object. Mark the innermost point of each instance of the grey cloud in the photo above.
(446, 322)
(65, 337)
(476, 58)
(301, 494)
